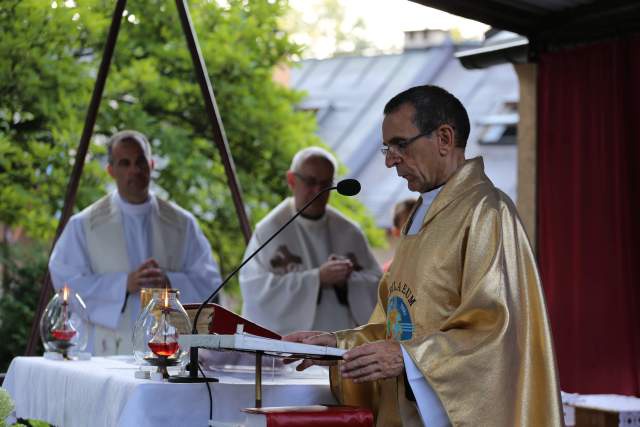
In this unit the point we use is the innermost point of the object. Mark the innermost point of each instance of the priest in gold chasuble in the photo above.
(460, 335)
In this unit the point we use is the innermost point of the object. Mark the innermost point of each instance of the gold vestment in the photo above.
(463, 296)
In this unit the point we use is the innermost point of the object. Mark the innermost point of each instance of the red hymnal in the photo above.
(309, 416)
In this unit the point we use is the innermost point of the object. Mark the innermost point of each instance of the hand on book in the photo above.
(314, 338)
(373, 361)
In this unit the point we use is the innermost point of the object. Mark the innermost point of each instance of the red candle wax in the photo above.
(164, 349)
(63, 334)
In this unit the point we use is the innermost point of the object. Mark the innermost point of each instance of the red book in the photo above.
(309, 416)
(224, 322)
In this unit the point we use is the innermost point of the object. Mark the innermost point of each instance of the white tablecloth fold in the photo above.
(104, 392)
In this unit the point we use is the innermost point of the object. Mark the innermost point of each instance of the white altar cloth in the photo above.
(104, 392)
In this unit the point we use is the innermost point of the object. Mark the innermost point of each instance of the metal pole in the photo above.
(211, 106)
(78, 165)
(258, 379)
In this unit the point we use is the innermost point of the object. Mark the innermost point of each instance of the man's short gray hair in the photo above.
(129, 135)
(312, 152)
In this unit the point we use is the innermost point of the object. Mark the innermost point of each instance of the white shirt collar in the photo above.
(418, 217)
(133, 209)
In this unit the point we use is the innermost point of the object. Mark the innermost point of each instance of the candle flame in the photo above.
(166, 298)
(65, 293)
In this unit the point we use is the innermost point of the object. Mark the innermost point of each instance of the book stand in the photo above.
(242, 341)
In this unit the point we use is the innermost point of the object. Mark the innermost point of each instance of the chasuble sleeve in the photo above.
(491, 361)
(104, 294)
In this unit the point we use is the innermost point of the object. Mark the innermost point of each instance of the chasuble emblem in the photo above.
(284, 261)
(399, 324)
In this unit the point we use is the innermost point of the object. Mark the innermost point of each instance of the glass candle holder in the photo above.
(63, 325)
(155, 336)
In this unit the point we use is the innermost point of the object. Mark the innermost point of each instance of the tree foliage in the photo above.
(44, 90)
(19, 299)
(49, 57)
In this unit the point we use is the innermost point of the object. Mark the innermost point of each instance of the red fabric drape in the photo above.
(589, 212)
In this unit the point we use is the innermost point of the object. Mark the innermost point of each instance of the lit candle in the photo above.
(166, 298)
(66, 331)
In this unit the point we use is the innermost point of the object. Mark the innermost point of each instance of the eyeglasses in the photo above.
(398, 146)
(310, 181)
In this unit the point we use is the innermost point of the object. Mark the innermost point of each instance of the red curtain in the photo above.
(589, 212)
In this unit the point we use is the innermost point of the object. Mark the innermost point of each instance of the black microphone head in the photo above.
(348, 187)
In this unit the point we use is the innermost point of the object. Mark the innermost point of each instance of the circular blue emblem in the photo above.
(399, 325)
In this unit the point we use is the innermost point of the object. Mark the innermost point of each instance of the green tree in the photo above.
(22, 273)
(152, 88)
(45, 83)
(49, 55)
(44, 91)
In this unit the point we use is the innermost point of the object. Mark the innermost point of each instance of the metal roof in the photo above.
(348, 94)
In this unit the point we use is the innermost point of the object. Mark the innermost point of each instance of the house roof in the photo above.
(348, 94)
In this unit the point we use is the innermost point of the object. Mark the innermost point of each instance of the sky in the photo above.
(386, 20)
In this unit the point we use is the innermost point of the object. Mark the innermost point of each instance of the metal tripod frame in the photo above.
(219, 138)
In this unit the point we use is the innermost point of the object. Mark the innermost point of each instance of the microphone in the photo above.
(346, 187)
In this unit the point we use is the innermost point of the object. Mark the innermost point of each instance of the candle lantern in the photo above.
(155, 336)
(63, 325)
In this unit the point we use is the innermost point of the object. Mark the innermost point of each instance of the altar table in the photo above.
(104, 392)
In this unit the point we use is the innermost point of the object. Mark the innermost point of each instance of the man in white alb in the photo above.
(128, 240)
(319, 272)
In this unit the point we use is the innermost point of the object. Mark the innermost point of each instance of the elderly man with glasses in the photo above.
(319, 273)
(460, 335)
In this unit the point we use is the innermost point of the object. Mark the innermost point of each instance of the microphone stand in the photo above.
(193, 354)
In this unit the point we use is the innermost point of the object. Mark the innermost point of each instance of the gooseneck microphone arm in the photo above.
(346, 187)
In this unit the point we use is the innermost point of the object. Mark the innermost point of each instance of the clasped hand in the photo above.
(335, 271)
(148, 274)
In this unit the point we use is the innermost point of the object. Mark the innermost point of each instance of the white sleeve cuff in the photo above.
(431, 410)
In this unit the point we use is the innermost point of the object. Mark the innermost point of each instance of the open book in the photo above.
(242, 341)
